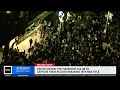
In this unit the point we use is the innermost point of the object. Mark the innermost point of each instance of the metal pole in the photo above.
(107, 21)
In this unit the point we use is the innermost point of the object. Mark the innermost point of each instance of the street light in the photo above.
(8, 12)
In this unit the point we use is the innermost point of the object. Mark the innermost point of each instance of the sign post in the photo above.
(109, 17)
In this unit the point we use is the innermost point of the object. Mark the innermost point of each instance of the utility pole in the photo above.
(107, 20)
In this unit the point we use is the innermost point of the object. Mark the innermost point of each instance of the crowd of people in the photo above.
(79, 41)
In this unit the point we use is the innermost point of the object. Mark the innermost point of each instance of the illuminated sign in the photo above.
(61, 16)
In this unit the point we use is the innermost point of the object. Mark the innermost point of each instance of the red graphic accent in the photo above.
(44, 64)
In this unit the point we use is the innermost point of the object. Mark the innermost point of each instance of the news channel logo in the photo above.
(7, 69)
(23, 70)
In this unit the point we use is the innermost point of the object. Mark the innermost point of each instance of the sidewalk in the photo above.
(25, 45)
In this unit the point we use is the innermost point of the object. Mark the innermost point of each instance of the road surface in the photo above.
(23, 45)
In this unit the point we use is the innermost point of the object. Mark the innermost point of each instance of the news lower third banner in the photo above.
(75, 70)
(51, 70)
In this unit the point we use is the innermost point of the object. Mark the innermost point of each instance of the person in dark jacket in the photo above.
(31, 41)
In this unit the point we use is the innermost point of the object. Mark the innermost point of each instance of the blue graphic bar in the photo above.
(22, 71)
(15, 75)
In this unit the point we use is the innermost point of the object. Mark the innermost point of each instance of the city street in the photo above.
(24, 45)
